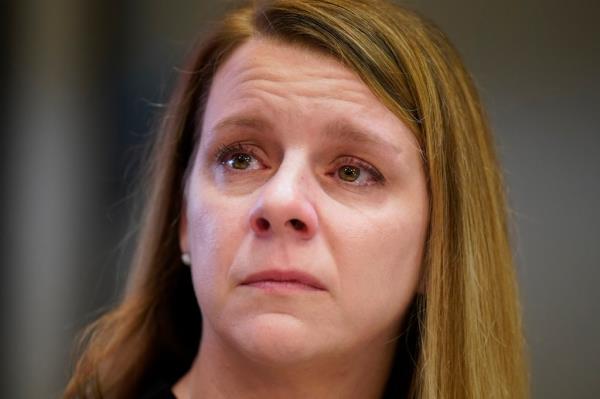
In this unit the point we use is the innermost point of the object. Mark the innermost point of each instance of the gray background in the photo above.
(85, 79)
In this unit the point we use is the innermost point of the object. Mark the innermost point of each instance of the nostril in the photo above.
(263, 224)
(298, 224)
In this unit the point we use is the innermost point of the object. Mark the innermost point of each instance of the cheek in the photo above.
(215, 231)
(380, 266)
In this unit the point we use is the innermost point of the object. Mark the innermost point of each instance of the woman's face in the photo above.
(306, 210)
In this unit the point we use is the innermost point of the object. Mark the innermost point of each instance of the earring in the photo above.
(185, 258)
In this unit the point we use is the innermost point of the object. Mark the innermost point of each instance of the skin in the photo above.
(302, 118)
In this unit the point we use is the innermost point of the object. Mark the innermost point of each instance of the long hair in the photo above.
(469, 342)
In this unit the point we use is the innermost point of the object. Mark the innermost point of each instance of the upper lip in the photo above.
(285, 275)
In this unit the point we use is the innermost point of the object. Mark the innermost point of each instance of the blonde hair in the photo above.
(470, 342)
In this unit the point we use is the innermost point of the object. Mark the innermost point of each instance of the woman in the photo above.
(325, 219)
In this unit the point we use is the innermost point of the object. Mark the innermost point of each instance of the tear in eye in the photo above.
(237, 157)
(239, 161)
(355, 172)
(349, 173)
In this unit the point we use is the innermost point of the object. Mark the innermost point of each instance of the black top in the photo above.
(161, 390)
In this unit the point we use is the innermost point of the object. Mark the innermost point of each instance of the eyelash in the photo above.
(225, 151)
(375, 174)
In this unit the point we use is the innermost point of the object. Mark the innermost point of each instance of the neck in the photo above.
(221, 373)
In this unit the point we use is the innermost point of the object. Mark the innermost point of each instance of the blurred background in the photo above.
(84, 83)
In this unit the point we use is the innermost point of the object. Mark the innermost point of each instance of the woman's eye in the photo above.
(240, 161)
(237, 157)
(358, 173)
(349, 173)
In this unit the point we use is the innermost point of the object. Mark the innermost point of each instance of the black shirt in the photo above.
(161, 390)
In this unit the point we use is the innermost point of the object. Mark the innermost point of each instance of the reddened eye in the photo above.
(355, 172)
(238, 157)
(349, 173)
(239, 161)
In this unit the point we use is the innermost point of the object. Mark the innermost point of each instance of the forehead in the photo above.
(284, 60)
(269, 82)
(265, 66)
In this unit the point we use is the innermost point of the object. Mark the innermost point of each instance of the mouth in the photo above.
(283, 280)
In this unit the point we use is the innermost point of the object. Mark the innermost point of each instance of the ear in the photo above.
(183, 228)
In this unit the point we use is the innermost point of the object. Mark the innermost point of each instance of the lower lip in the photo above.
(278, 286)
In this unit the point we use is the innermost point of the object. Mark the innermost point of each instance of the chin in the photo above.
(276, 339)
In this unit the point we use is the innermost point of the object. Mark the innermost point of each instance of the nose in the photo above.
(284, 206)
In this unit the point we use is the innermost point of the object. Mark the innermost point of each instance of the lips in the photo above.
(284, 278)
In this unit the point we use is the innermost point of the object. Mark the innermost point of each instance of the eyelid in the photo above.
(377, 177)
(225, 150)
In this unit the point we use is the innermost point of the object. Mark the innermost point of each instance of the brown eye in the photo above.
(349, 173)
(354, 172)
(240, 161)
(238, 158)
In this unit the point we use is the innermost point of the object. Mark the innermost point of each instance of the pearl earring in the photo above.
(185, 258)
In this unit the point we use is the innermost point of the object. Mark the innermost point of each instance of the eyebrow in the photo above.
(342, 129)
(336, 130)
(242, 121)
